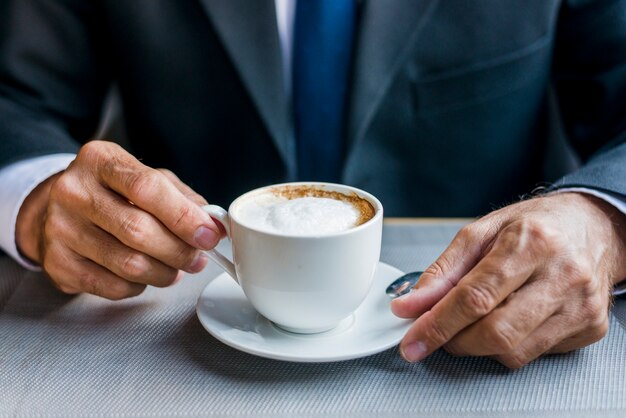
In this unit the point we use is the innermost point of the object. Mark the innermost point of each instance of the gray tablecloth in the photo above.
(149, 356)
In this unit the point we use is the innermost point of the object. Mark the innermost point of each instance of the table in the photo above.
(149, 356)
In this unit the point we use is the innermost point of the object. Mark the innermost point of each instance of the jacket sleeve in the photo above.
(590, 80)
(53, 76)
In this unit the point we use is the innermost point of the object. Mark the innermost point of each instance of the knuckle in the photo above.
(499, 272)
(49, 270)
(165, 280)
(66, 188)
(476, 232)
(594, 299)
(477, 300)
(594, 303)
(580, 275)
(443, 265)
(90, 283)
(599, 329)
(91, 150)
(99, 154)
(465, 234)
(578, 269)
(53, 263)
(597, 325)
(537, 234)
(63, 286)
(536, 230)
(436, 332)
(55, 266)
(55, 226)
(513, 360)
(167, 172)
(455, 349)
(185, 213)
(57, 280)
(48, 265)
(135, 228)
(143, 184)
(437, 268)
(123, 290)
(502, 337)
(184, 257)
(135, 266)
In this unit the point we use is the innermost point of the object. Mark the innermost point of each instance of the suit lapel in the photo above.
(388, 31)
(249, 33)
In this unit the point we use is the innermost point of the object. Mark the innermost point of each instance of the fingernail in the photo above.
(199, 262)
(206, 238)
(415, 351)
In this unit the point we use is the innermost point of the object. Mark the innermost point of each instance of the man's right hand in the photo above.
(109, 225)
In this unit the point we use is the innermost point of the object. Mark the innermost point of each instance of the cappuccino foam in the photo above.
(310, 212)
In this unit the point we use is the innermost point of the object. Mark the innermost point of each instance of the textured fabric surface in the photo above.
(149, 356)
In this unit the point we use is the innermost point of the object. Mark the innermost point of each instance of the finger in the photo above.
(558, 334)
(190, 194)
(123, 261)
(77, 274)
(594, 331)
(184, 188)
(99, 281)
(504, 269)
(150, 190)
(465, 250)
(140, 231)
(507, 326)
(179, 277)
(580, 340)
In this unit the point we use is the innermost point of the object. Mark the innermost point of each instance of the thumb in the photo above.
(464, 252)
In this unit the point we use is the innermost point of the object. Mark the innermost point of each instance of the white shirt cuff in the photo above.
(16, 182)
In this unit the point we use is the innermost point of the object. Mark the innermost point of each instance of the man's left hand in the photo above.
(526, 280)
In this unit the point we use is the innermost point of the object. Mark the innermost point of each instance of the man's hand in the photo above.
(529, 279)
(110, 225)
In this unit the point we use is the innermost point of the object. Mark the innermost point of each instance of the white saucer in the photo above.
(225, 312)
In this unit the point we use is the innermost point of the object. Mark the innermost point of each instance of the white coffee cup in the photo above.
(302, 283)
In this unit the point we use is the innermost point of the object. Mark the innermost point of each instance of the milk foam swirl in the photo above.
(305, 216)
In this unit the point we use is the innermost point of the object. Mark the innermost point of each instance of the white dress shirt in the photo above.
(16, 182)
(19, 179)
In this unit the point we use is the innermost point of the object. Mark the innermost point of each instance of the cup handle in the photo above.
(221, 215)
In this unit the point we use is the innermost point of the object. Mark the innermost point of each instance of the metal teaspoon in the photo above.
(403, 284)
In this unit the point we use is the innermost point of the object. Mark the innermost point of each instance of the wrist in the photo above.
(30, 220)
(608, 221)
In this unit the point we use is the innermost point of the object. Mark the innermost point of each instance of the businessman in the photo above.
(439, 108)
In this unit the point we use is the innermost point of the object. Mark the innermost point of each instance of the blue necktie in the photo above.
(323, 37)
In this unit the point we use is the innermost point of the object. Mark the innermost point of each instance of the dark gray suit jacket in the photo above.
(448, 116)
